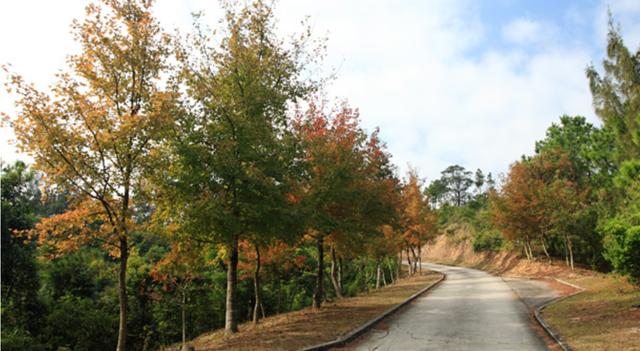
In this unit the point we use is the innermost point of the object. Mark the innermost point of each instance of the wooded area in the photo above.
(187, 183)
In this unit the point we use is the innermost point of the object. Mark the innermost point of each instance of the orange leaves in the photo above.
(80, 225)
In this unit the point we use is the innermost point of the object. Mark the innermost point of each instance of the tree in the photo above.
(615, 95)
(93, 133)
(20, 200)
(616, 100)
(234, 157)
(458, 181)
(538, 199)
(177, 271)
(479, 180)
(347, 183)
(437, 192)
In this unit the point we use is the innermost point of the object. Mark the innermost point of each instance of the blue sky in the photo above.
(457, 81)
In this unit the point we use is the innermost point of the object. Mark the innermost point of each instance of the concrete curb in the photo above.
(547, 328)
(352, 335)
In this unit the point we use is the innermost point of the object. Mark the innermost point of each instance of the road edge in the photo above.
(352, 335)
(547, 328)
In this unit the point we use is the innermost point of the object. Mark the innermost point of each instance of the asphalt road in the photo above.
(469, 310)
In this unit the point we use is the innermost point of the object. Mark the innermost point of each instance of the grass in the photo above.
(601, 318)
(307, 327)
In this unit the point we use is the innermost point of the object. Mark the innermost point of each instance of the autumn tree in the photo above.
(93, 131)
(177, 271)
(540, 198)
(347, 179)
(234, 157)
(417, 220)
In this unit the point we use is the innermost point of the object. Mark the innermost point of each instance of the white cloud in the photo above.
(416, 69)
(523, 31)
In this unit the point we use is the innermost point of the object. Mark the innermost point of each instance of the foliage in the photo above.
(490, 240)
(622, 245)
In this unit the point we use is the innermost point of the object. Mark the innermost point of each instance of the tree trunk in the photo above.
(184, 320)
(415, 260)
(335, 280)
(544, 247)
(399, 268)
(566, 251)
(279, 293)
(230, 321)
(393, 281)
(256, 287)
(340, 273)
(420, 258)
(122, 295)
(378, 272)
(570, 246)
(384, 278)
(317, 295)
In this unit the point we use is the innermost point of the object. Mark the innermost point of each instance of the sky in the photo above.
(469, 82)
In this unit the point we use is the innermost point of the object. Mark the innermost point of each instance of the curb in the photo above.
(345, 339)
(547, 328)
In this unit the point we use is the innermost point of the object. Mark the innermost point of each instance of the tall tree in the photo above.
(616, 98)
(616, 95)
(437, 192)
(347, 182)
(479, 180)
(94, 131)
(458, 181)
(235, 157)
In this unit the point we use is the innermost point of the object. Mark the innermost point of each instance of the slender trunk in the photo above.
(409, 262)
(378, 272)
(393, 281)
(399, 268)
(527, 249)
(334, 276)
(384, 278)
(184, 320)
(415, 260)
(340, 273)
(122, 294)
(544, 247)
(230, 322)
(420, 258)
(317, 296)
(570, 246)
(256, 287)
(566, 251)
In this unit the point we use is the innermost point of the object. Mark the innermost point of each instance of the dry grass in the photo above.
(296, 330)
(600, 318)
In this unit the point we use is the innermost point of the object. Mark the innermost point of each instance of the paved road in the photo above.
(469, 310)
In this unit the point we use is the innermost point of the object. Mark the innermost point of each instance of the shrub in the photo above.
(490, 240)
(622, 247)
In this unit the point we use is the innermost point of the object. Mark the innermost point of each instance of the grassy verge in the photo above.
(600, 318)
(296, 330)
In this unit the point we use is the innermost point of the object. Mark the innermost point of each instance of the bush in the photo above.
(622, 247)
(490, 240)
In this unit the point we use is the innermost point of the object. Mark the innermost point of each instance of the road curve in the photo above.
(469, 310)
